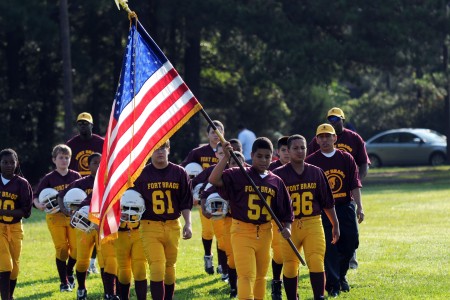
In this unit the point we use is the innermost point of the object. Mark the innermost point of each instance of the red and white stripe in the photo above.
(163, 104)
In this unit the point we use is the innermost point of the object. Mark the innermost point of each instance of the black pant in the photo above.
(337, 257)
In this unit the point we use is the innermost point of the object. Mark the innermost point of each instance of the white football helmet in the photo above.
(49, 198)
(80, 219)
(196, 190)
(193, 169)
(132, 206)
(73, 199)
(216, 206)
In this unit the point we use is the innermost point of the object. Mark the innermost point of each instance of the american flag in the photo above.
(151, 103)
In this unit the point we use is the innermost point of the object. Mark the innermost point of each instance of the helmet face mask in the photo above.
(216, 206)
(80, 219)
(132, 206)
(73, 199)
(49, 198)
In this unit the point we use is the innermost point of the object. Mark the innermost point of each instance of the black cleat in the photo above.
(344, 285)
(276, 289)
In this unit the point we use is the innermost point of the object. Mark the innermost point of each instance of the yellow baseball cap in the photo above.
(325, 128)
(84, 116)
(336, 111)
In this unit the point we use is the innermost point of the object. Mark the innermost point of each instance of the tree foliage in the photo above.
(276, 66)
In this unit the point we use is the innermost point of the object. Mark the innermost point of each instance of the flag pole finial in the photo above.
(124, 5)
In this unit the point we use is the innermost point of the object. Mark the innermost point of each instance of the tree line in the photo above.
(275, 66)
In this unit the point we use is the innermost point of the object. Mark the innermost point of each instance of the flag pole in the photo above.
(272, 214)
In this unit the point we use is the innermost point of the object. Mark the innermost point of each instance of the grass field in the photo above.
(404, 246)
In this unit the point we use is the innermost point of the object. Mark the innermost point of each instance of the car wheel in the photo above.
(437, 159)
(375, 161)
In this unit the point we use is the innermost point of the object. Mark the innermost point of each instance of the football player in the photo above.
(310, 194)
(277, 257)
(128, 245)
(251, 228)
(17, 198)
(166, 190)
(232, 275)
(63, 235)
(205, 156)
(83, 145)
(87, 240)
(342, 174)
(217, 225)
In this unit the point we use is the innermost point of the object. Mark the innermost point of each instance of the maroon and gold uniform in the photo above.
(251, 228)
(342, 174)
(348, 141)
(106, 255)
(63, 235)
(203, 155)
(166, 193)
(206, 157)
(16, 194)
(81, 150)
(310, 194)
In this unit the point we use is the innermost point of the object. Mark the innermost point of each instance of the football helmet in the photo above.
(80, 219)
(196, 191)
(73, 199)
(216, 206)
(49, 198)
(193, 169)
(132, 206)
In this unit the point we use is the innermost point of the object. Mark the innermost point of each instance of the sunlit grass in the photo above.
(404, 249)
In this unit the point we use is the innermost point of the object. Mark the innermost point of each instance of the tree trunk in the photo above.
(67, 68)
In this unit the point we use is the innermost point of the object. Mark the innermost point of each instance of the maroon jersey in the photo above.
(275, 164)
(203, 155)
(81, 150)
(310, 192)
(341, 172)
(56, 181)
(348, 141)
(202, 177)
(244, 201)
(86, 184)
(166, 192)
(16, 194)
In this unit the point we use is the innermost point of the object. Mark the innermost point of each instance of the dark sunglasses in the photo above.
(334, 119)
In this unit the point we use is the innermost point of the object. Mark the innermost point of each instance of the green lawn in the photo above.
(404, 247)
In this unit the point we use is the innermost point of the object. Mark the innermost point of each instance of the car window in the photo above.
(406, 137)
(387, 138)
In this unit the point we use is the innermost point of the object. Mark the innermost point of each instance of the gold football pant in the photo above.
(307, 233)
(227, 242)
(107, 259)
(130, 256)
(85, 245)
(251, 246)
(207, 227)
(11, 236)
(277, 255)
(160, 241)
(63, 235)
(218, 228)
